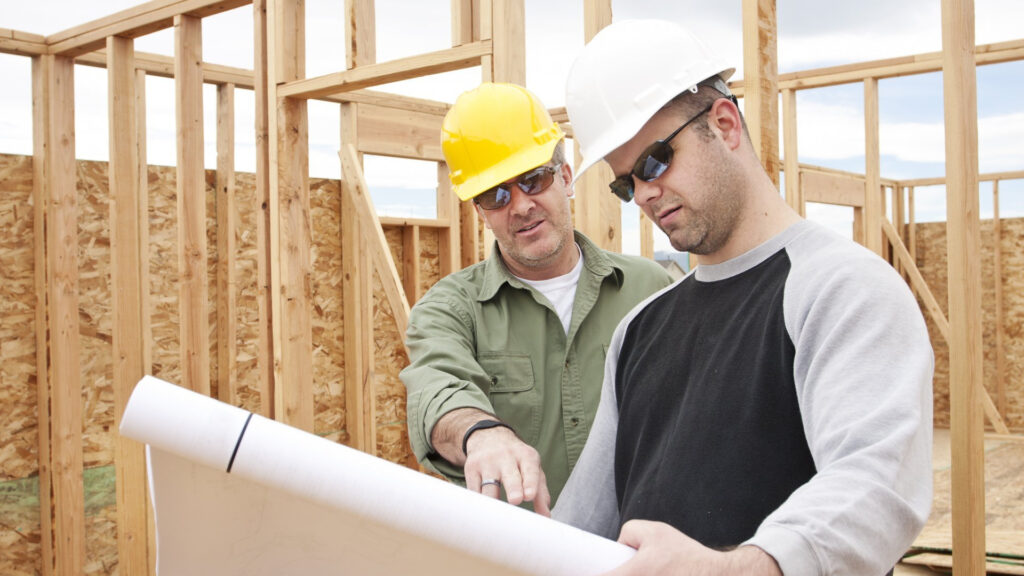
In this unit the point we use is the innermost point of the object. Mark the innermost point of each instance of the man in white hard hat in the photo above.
(771, 412)
(506, 355)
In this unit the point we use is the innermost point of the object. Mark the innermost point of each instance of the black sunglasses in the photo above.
(653, 162)
(533, 182)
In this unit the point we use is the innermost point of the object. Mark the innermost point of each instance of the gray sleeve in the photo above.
(588, 500)
(863, 371)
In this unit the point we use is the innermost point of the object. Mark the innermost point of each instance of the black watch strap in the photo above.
(482, 425)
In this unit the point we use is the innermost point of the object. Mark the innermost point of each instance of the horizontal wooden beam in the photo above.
(457, 58)
(830, 188)
(895, 67)
(163, 66)
(399, 133)
(392, 221)
(133, 22)
(21, 43)
(941, 180)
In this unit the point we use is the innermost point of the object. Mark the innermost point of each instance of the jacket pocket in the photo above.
(513, 393)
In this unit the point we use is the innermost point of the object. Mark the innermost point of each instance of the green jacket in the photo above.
(480, 338)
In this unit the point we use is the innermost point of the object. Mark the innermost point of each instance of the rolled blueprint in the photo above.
(295, 503)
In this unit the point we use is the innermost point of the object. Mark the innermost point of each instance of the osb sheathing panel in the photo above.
(19, 514)
(931, 259)
(19, 454)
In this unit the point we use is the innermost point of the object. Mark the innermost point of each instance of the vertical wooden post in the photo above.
(126, 254)
(598, 212)
(144, 302)
(357, 266)
(357, 284)
(911, 225)
(997, 241)
(465, 21)
(873, 205)
(411, 262)
(448, 245)
(858, 225)
(62, 502)
(761, 82)
(227, 348)
(646, 236)
(290, 225)
(794, 194)
(193, 291)
(963, 241)
(265, 351)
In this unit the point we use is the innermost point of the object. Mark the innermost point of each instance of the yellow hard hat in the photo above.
(494, 133)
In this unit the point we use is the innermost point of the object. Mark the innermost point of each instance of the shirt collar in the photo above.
(496, 274)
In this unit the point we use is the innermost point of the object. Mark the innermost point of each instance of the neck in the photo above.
(765, 215)
(559, 265)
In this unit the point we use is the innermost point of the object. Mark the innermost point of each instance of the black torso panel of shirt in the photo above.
(710, 438)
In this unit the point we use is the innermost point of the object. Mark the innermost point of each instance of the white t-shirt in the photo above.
(560, 291)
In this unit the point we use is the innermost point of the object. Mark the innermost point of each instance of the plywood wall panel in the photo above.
(931, 258)
(19, 451)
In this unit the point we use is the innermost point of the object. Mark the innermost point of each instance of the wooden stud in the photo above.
(21, 43)
(126, 255)
(469, 228)
(794, 195)
(377, 243)
(360, 21)
(911, 225)
(873, 205)
(646, 236)
(831, 188)
(997, 264)
(227, 224)
(193, 290)
(598, 214)
(963, 241)
(411, 262)
(357, 286)
(291, 228)
(448, 245)
(858, 225)
(144, 302)
(761, 82)
(465, 21)
(265, 345)
(62, 508)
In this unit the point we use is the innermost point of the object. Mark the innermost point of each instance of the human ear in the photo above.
(725, 118)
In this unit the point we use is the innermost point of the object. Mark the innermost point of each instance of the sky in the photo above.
(811, 34)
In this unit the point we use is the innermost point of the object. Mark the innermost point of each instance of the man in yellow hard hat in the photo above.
(770, 413)
(507, 355)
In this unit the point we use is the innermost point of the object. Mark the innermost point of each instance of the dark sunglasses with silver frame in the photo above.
(654, 160)
(533, 182)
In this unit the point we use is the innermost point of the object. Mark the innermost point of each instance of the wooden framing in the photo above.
(963, 239)
(760, 69)
(227, 313)
(126, 269)
(193, 291)
(997, 275)
(485, 33)
(598, 214)
(62, 513)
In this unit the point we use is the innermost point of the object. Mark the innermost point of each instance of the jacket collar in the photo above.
(496, 274)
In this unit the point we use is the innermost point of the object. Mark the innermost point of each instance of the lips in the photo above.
(667, 213)
(529, 227)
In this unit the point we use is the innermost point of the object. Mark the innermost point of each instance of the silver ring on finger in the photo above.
(490, 482)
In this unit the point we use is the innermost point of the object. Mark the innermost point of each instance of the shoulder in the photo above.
(639, 269)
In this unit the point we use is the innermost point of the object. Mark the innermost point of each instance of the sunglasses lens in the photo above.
(536, 181)
(623, 188)
(494, 198)
(654, 162)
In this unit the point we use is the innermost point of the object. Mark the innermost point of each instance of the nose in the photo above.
(520, 203)
(645, 192)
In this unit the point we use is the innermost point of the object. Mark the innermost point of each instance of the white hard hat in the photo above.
(625, 74)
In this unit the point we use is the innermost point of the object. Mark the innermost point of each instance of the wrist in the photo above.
(481, 425)
(750, 559)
